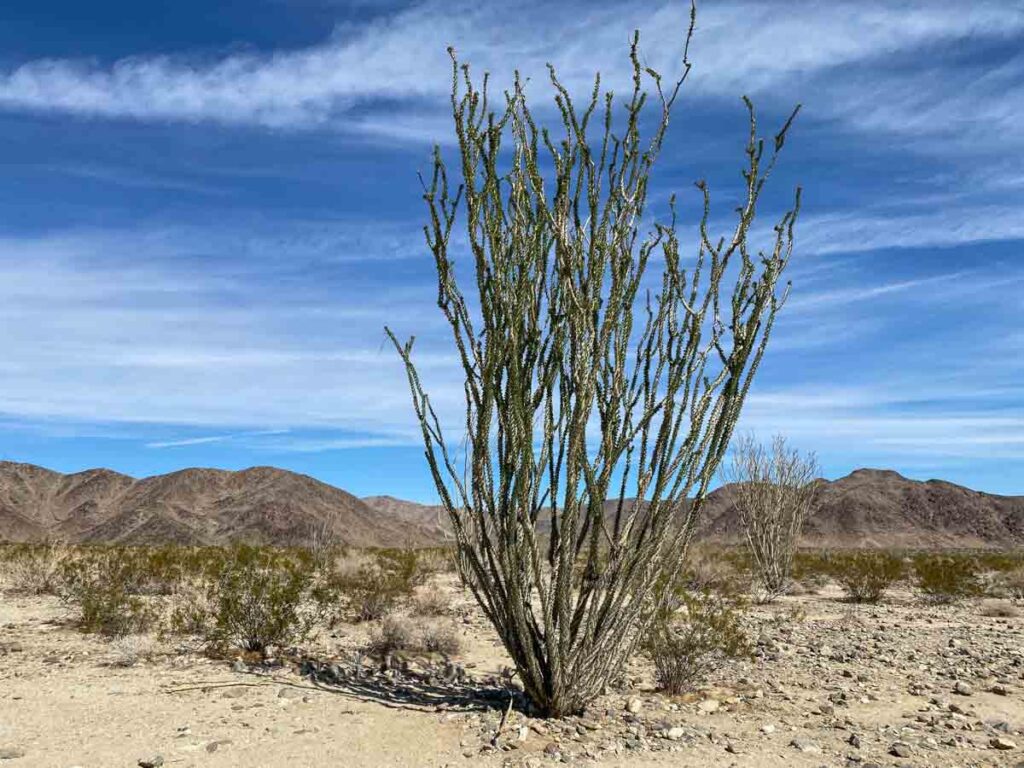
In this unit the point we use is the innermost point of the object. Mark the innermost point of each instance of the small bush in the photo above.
(102, 586)
(397, 634)
(1009, 584)
(432, 602)
(375, 590)
(36, 570)
(261, 598)
(865, 576)
(686, 649)
(441, 638)
(131, 649)
(393, 634)
(943, 579)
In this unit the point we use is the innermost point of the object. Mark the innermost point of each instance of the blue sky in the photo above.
(208, 212)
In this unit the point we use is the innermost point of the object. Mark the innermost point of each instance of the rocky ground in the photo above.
(900, 684)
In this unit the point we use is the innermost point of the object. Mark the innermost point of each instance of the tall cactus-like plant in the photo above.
(584, 387)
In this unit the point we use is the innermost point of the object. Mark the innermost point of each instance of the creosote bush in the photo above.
(943, 578)
(102, 586)
(685, 648)
(865, 576)
(566, 331)
(263, 598)
(35, 569)
(376, 589)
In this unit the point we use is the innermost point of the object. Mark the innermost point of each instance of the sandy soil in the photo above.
(826, 674)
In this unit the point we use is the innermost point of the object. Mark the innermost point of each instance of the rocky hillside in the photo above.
(868, 508)
(193, 506)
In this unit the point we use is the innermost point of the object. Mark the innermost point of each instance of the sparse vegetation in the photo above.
(946, 578)
(102, 587)
(685, 648)
(865, 576)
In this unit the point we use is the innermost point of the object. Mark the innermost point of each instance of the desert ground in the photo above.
(830, 683)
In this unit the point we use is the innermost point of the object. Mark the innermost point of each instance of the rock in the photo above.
(552, 748)
(805, 746)
(233, 693)
(999, 690)
(854, 741)
(11, 753)
(152, 762)
(709, 705)
(1000, 742)
(634, 706)
(901, 749)
(289, 693)
(962, 688)
(239, 666)
(769, 728)
(675, 734)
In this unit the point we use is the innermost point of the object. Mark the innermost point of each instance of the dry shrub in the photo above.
(865, 576)
(131, 649)
(393, 634)
(102, 586)
(374, 590)
(1009, 584)
(1000, 610)
(432, 602)
(943, 579)
(686, 649)
(441, 638)
(719, 571)
(36, 569)
(399, 634)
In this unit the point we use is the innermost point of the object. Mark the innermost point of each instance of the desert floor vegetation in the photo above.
(814, 678)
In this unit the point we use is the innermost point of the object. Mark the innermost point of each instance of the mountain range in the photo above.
(867, 508)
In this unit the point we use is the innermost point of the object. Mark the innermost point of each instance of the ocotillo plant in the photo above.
(773, 487)
(581, 393)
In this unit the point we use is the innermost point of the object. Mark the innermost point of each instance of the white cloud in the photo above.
(740, 46)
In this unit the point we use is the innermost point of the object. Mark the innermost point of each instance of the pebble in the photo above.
(153, 762)
(634, 706)
(901, 749)
(709, 705)
(962, 688)
(805, 746)
(1000, 742)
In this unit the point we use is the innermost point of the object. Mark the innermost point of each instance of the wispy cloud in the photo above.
(740, 46)
(213, 438)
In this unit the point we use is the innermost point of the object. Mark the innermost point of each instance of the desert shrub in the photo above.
(865, 576)
(393, 634)
(36, 569)
(129, 650)
(716, 570)
(686, 649)
(261, 598)
(441, 638)
(946, 578)
(1009, 584)
(375, 589)
(432, 602)
(397, 634)
(102, 586)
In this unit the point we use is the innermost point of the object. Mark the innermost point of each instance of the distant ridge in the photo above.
(191, 506)
(867, 508)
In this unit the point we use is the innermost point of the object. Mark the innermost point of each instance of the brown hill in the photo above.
(193, 506)
(881, 508)
(868, 508)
